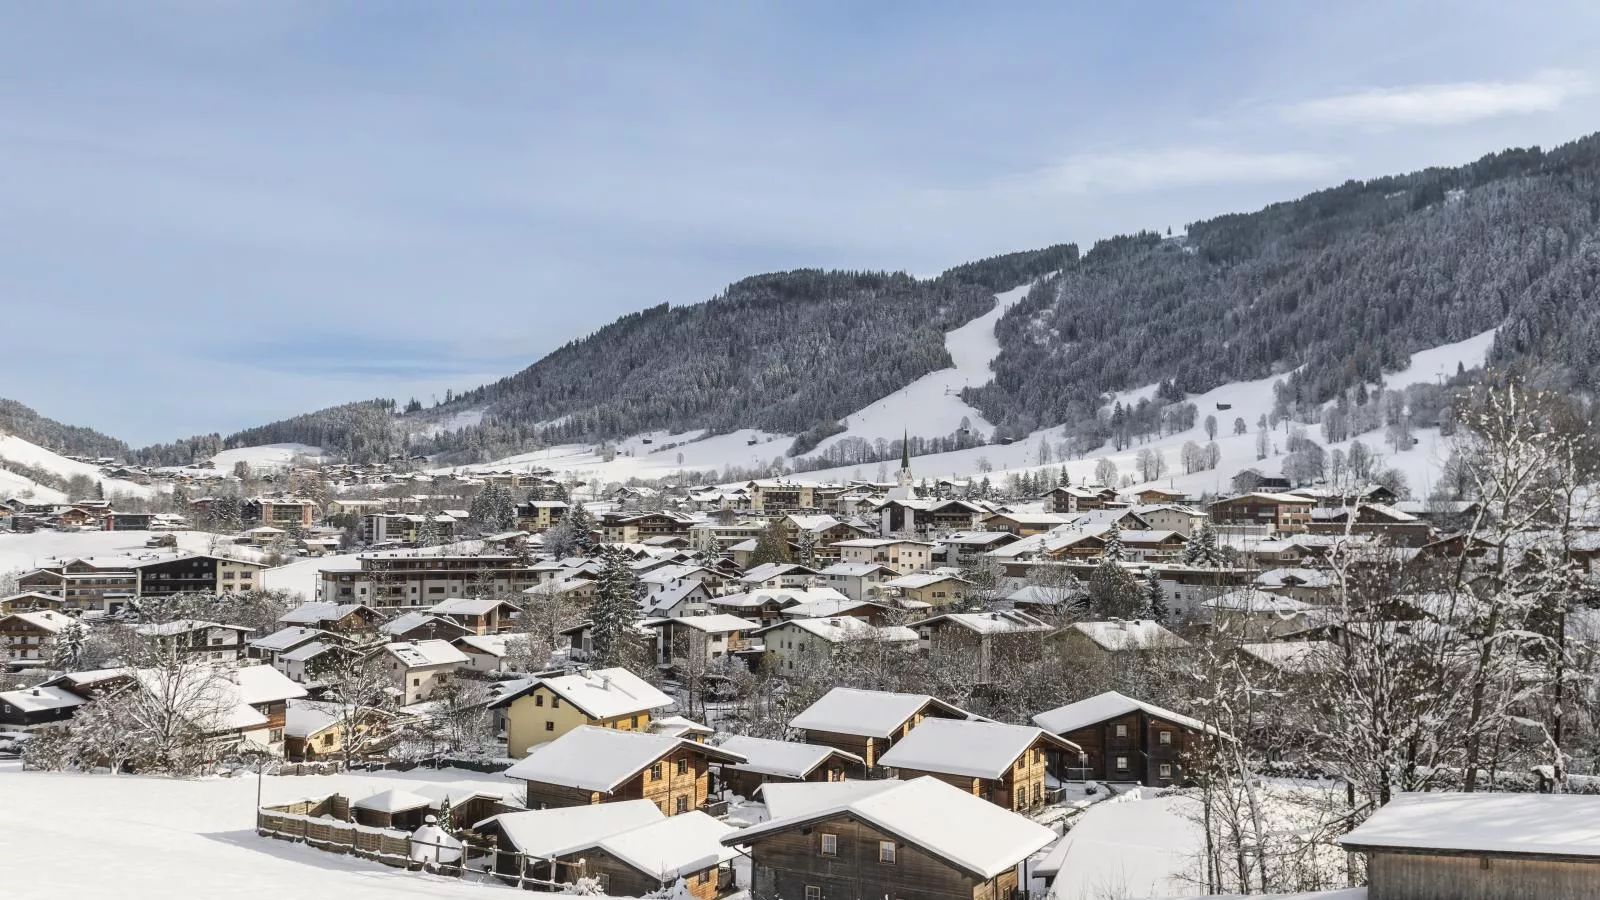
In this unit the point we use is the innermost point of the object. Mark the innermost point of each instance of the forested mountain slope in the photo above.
(23, 422)
(1347, 282)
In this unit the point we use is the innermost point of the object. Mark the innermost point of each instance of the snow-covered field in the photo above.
(264, 457)
(23, 552)
(134, 838)
(1131, 847)
(18, 450)
(300, 577)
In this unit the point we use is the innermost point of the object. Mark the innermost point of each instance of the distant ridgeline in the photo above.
(73, 440)
(1346, 283)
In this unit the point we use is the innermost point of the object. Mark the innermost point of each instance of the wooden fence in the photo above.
(324, 825)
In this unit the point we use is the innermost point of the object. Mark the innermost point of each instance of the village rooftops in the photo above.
(185, 626)
(781, 596)
(859, 570)
(600, 759)
(785, 759)
(973, 749)
(786, 800)
(316, 612)
(681, 845)
(42, 698)
(44, 620)
(769, 571)
(1001, 622)
(720, 623)
(838, 629)
(1562, 825)
(876, 714)
(1258, 601)
(921, 580)
(1296, 657)
(285, 638)
(1109, 705)
(468, 606)
(408, 622)
(879, 542)
(967, 831)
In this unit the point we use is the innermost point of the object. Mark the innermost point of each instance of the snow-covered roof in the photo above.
(468, 606)
(879, 542)
(547, 833)
(962, 747)
(41, 698)
(1258, 601)
(1295, 657)
(1002, 622)
(316, 612)
(667, 596)
(1105, 706)
(393, 800)
(944, 821)
(1042, 596)
(415, 654)
(218, 700)
(607, 693)
(787, 799)
(857, 570)
(495, 645)
(601, 759)
(719, 623)
(184, 626)
(1549, 824)
(817, 609)
(866, 713)
(285, 638)
(304, 718)
(781, 596)
(918, 580)
(785, 759)
(677, 726)
(769, 571)
(413, 620)
(306, 652)
(1294, 577)
(44, 620)
(1136, 634)
(838, 629)
(681, 845)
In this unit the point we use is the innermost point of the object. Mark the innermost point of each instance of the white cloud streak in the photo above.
(1176, 167)
(1442, 104)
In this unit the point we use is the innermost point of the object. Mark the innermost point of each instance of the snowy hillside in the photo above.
(17, 450)
(265, 457)
(931, 406)
(1247, 400)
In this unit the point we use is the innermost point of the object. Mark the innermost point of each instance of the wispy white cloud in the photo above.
(1443, 104)
(1175, 167)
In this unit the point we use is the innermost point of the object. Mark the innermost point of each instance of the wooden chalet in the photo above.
(1122, 739)
(868, 723)
(1004, 764)
(890, 839)
(591, 765)
(769, 761)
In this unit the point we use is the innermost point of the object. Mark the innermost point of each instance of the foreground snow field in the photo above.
(133, 838)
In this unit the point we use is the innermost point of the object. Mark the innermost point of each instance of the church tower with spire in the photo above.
(904, 478)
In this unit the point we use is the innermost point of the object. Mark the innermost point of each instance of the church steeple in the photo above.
(904, 478)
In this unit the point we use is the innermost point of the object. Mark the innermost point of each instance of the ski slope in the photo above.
(18, 450)
(265, 457)
(931, 406)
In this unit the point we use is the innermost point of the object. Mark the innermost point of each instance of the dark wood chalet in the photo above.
(591, 765)
(1003, 764)
(892, 839)
(868, 723)
(1122, 739)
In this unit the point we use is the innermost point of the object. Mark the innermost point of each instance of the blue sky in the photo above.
(217, 213)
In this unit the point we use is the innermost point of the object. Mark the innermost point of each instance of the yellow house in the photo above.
(547, 708)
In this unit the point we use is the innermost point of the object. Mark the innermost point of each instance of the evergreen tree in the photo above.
(1155, 599)
(581, 524)
(428, 531)
(67, 654)
(447, 818)
(772, 545)
(1201, 549)
(614, 610)
(1113, 550)
(808, 547)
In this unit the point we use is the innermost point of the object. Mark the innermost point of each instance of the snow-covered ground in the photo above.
(301, 576)
(18, 450)
(24, 552)
(1131, 847)
(931, 406)
(156, 838)
(264, 457)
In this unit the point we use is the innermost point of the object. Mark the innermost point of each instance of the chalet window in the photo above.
(830, 844)
(682, 805)
(704, 877)
(1166, 770)
(538, 699)
(549, 725)
(886, 852)
(813, 892)
(605, 881)
(1164, 737)
(327, 740)
(1122, 731)
(683, 766)
(1122, 764)
(655, 772)
(555, 702)
(274, 735)
(416, 682)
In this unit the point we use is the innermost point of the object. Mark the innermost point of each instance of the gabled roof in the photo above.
(393, 800)
(546, 833)
(917, 580)
(788, 799)
(469, 606)
(858, 570)
(973, 749)
(316, 612)
(496, 645)
(607, 693)
(413, 620)
(867, 713)
(602, 759)
(41, 698)
(1136, 634)
(1001, 622)
(837, 629)
(1258, 601)
(719, 623)
(1546, 824)
(681, 845)
(785, 759)
(769, 571)
(967, 832)
(1109, 705)
(186, 626)
(415, 654)
(44, 620)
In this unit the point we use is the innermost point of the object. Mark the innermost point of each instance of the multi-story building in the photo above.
(87, 584)
(280, 512)
(29, 637)
(412, 578)
(1278, 513)
(196, 574)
